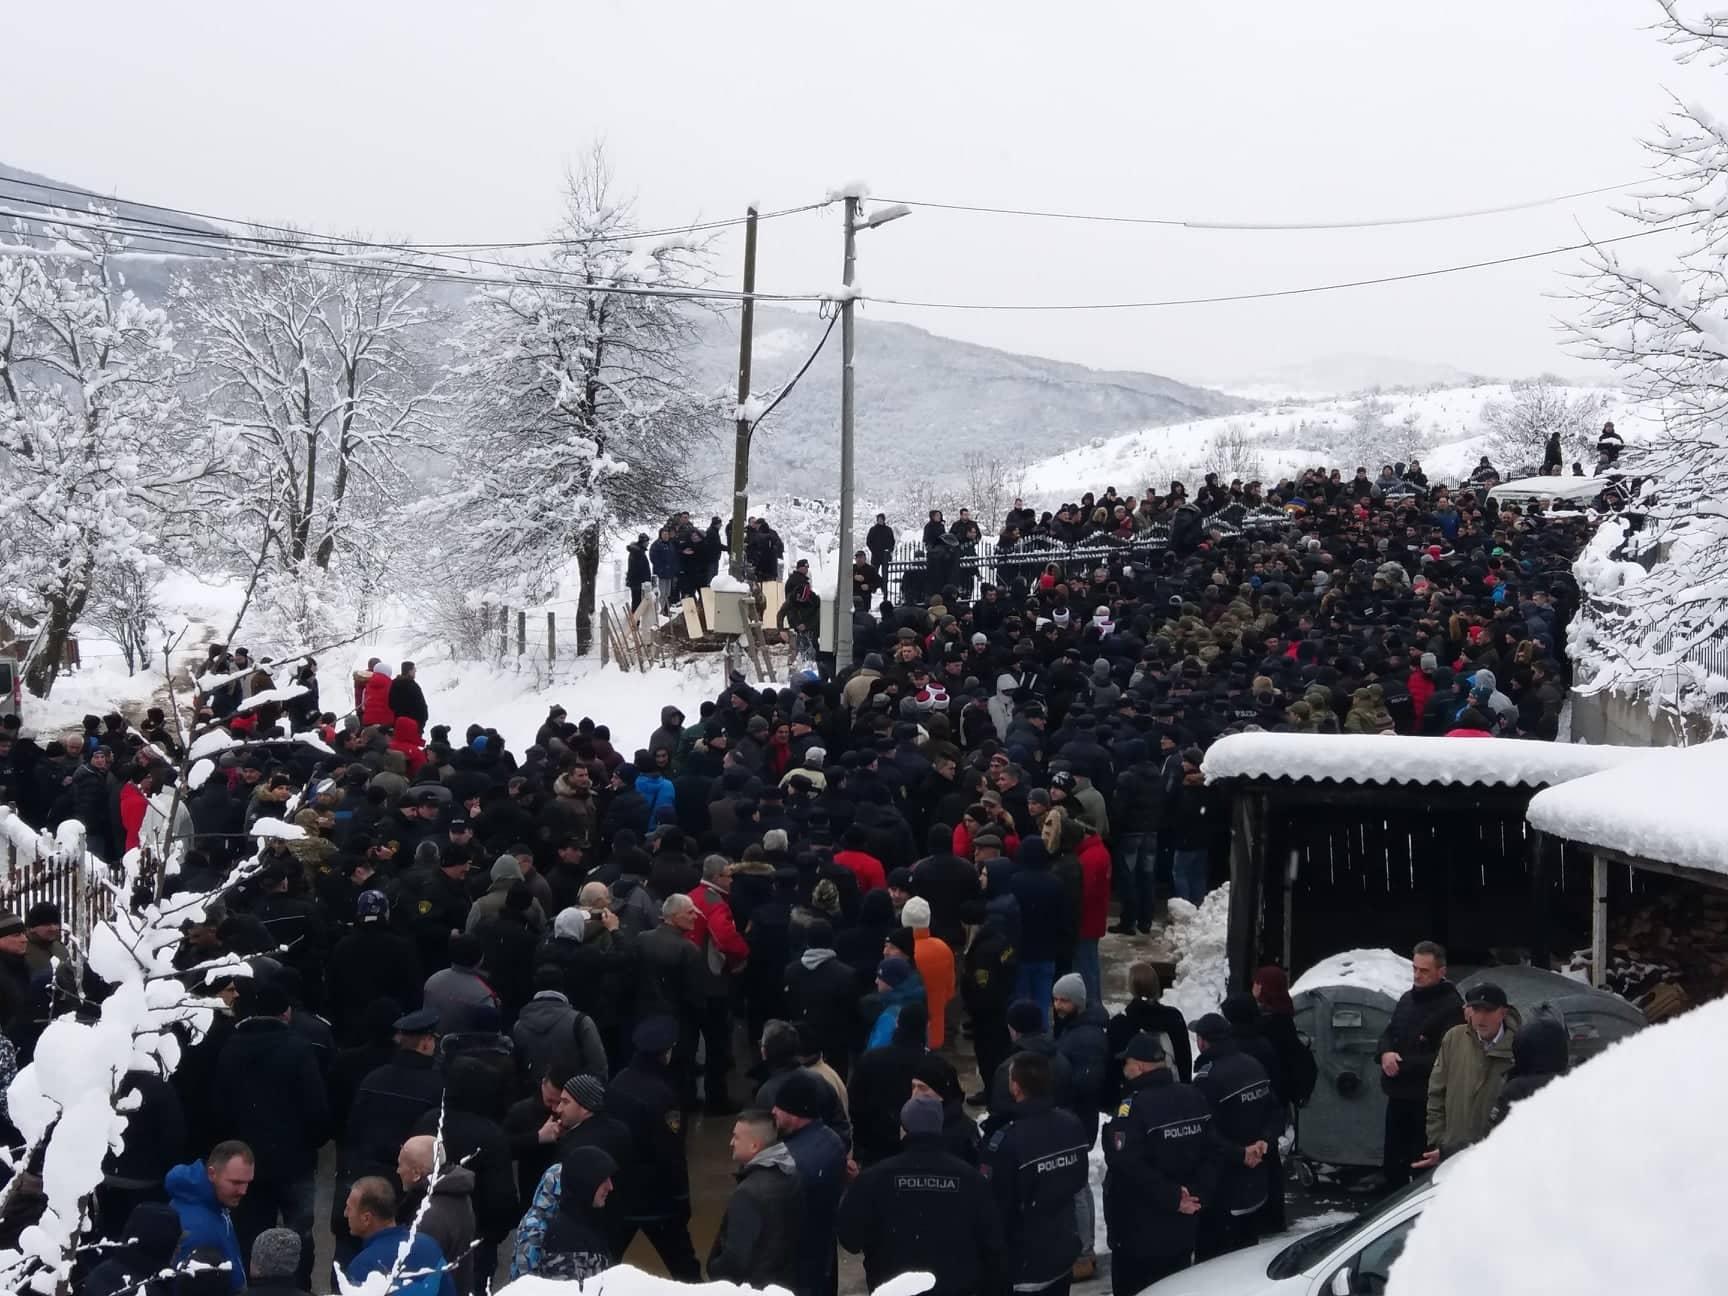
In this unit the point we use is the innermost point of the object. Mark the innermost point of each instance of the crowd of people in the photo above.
(499, 982)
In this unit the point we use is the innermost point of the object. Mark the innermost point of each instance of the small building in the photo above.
(1348, 841)
(1652, 823)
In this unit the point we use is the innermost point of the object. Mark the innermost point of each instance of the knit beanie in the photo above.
(916, 912)
(275, 1253)
(1070, 987)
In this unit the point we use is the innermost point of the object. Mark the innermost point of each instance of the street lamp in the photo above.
(843, 590)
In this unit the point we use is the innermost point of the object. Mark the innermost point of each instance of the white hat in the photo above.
(916, 912)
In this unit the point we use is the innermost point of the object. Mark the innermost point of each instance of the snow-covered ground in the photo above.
(513, 701)
(1289, 436)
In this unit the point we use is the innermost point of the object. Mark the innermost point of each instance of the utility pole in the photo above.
(843, 586)
(741, 444)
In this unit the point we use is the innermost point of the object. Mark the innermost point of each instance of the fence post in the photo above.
(521, 632)
(551, 638)
(485, 626)
(503, 632)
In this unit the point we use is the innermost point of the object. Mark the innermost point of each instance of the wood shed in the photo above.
(1347, 841)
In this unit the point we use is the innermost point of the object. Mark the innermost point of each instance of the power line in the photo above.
(1279, 292)
(163, 231)
(628, 237)
(802, 370)
(1176, 222)
(221, 252)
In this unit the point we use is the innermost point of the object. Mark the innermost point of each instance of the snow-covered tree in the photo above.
(576, 405)
(1665, 329)
(1518, 428)
(99, 460)
(324, 373)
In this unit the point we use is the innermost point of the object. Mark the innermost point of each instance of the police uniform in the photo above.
(1245, 1110)
(1159, 1141)
(653, 1187)
(1036, 1164)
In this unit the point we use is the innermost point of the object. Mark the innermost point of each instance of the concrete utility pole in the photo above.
(843, 586)
(741, 445)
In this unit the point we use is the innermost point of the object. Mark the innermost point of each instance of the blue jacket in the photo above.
(659, 794)
(424, 1258)
(663, 557)
(204, 1221)
(911, 990)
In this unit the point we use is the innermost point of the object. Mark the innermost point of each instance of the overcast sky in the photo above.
(441, 121)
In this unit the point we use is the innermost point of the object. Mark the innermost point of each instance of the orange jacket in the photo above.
(936, 969)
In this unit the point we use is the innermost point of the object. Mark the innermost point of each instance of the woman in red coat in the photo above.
(1094, 858)
(375, 699)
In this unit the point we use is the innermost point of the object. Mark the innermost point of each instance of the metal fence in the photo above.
(912, 573)
(66, 876)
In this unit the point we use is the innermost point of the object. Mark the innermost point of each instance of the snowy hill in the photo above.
(1343, 374)
(924, 402)
(1444, 425)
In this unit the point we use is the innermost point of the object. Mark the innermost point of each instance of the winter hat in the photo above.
(43, 911)
(1239, 1008)
(10, 924)
(892, 972)
(506, 867)
(916, 913)
(1429, 662)
(275, 1254)
(588, 1091)
(980, 640)
(803, 1093)
(917, 1116)
(570, 923)
(901, 938)
(1059, 616)
(757, 725)
(1025, 1017)
(1070, 987)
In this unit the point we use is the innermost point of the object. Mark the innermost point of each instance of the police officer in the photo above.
(1248, 1118)
(1036, 1163)
(1162, 1163)
(385, 1108)
(924, 1210)
(435, 905)
(654, 1186)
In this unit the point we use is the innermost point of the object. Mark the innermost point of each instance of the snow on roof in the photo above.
(1593, 1184)
(1364, 758)
(1663, 808)
(1383, 971)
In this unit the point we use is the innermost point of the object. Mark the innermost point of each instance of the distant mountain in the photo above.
(1342, 374)
(924, 402)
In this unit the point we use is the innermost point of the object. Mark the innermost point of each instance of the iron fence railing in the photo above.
(912, 571)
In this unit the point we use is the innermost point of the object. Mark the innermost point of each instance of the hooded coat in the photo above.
(757, 1244)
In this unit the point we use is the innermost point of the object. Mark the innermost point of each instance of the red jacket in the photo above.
(133, 804)
(1421, 689)
(1094, 887)
(715, 921)
(1468, 733)
(375, 701)
(865, 867)
(406, 739)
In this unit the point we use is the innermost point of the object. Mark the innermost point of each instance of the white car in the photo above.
(1348, 1259)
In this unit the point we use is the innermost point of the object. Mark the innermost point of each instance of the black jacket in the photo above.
(1036, 1164)
(481, 1145)
(947, 882)
(1419, 1023)
(658, 1183)
(406, 699)
(384, 1111)
(757, 1244)
(825, 998)
(1245, 1110)
(1156, 1019)
(1159, 1142)
(924, 1210)
(269, 1093)
(879, 1086)
(1083, 1040)
(371, 962)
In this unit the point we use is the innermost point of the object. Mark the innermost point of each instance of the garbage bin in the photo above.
(1343, 1004)
(1593, 1018)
